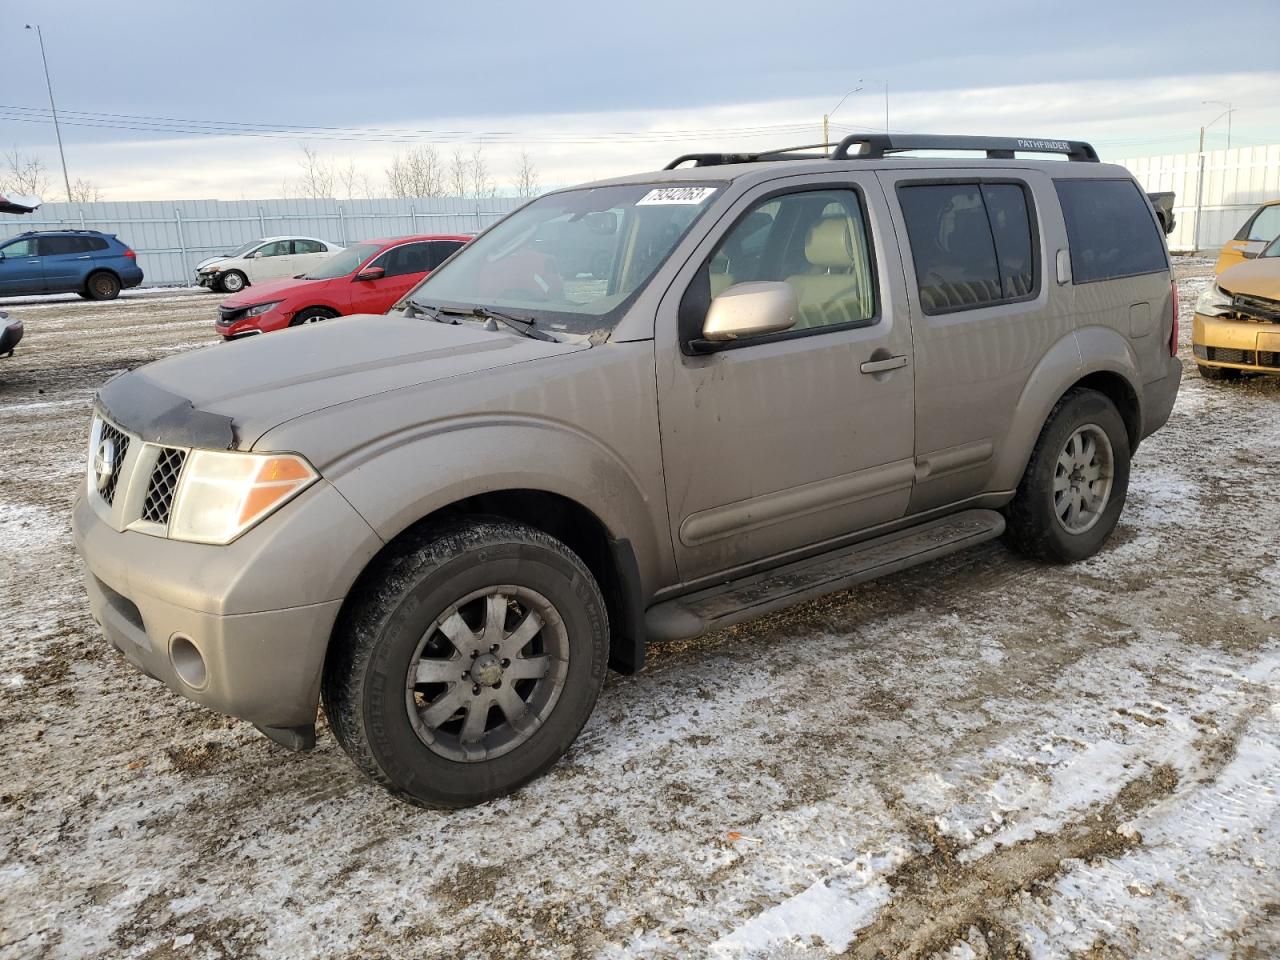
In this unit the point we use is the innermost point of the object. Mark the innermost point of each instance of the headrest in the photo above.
(829, 244)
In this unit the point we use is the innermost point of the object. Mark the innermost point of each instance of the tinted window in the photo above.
(410, 258)
(96, 243)
(817, 242)
(1265, 225)
(53, 246)
(970, 243)
(308, 246)
(1111, 230)
(20, 248)
(442, 250)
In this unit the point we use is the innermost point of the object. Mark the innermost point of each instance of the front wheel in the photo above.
(311, 315)
(467, 662)
(233, 281)
(1074, 487)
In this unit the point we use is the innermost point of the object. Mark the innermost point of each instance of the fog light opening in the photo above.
(187, 662)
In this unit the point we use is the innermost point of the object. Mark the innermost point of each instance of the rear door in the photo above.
(66, 261)
(982, 314)
(20, 270)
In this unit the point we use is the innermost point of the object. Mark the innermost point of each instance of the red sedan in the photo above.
(367, 277)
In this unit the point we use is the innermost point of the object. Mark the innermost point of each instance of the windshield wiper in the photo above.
(412, 309)
(522, 325)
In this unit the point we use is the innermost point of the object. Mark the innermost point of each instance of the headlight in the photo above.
(214, 269)
(223, 494)
(1214, 302)
(262, 308)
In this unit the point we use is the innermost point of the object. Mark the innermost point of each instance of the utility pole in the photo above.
(54, 110)
(1195, 232)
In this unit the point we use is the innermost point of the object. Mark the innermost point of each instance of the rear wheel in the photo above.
(1218, 373)
(1074, 487)
(102, 285)
(233, 281)
(467, 663)
(312, 315)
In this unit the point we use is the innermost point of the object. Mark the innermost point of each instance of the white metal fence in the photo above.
(1233, 183)
(170, 238)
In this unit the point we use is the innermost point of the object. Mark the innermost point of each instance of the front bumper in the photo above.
(258, 620)
(1236, 344)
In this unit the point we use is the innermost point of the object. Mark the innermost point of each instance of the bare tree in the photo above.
(24, 174)
(459, 173)
(526, 180)
(416, 173)
(318, 175)
(481, 184)
(85, 191)
(355, 182)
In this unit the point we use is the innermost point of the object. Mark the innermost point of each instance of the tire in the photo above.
(1218, 373)
(1041, 520)
(103, 285)
(409, 734)
(83, 295)
(312, 315)
(233, 281)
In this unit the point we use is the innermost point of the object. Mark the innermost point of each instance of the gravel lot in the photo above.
(1011, 760)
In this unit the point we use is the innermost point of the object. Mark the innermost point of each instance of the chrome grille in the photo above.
(117, 442)
(162, 485)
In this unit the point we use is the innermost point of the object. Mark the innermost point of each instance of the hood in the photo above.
(265, 292)
(1258, 278)
(230, 394)
(210, 261)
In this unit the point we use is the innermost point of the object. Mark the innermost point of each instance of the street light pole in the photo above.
(826, 121)
(1230, 111)
(886, 99)
(54, 110)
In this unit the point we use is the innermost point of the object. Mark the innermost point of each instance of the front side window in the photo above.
(573, 261)
(20, 248)
(971, 244)
(1265, 224)
(1110, 229)
(405, 259)
(816, 241)
(278, 248)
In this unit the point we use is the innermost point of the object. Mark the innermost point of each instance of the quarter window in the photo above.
(815, 241)
(1110, 229)
(971, 244)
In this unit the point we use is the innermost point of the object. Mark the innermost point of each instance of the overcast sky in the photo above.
(594, 89)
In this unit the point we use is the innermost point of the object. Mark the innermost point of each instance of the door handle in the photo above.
(880, 366)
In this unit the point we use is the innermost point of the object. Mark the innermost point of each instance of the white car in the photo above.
(267, 259)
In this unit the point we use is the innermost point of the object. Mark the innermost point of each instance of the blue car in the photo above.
(95, 265)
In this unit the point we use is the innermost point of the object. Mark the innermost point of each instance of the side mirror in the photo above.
(748, 310)
(371, 273)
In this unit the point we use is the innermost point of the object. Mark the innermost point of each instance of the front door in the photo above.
(403, 267)
(272, 261)
(20, 271)
(788, 440)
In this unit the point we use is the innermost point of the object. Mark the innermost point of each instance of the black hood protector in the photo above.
(137, 405)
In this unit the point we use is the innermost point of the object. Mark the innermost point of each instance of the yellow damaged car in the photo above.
(1237, 322)
(1261, 228)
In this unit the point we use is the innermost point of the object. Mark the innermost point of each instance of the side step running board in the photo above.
(763, 593)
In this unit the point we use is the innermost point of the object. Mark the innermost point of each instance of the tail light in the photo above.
(128, 252)
(1173, 335)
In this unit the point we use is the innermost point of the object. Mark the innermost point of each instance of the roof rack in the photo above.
(877, 146)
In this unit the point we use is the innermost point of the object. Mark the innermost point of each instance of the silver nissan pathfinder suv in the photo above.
(631, 411)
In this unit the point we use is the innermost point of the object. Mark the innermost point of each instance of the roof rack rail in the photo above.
(717, 159)
(879, 145)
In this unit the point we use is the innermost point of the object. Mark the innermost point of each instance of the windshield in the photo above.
(573, 260)
(340, 264)
(245, 248)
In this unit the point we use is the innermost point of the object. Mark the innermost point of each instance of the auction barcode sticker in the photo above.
(691, 195)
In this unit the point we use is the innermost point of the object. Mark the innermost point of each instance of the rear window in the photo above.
(1110, 229)
(971, 244)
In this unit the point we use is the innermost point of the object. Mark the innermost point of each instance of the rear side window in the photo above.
(971, 244)
(1263, 225)
(1111, 230)
(53, 246)
(442, 250)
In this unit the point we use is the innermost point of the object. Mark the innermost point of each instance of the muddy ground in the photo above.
(1010, 760)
